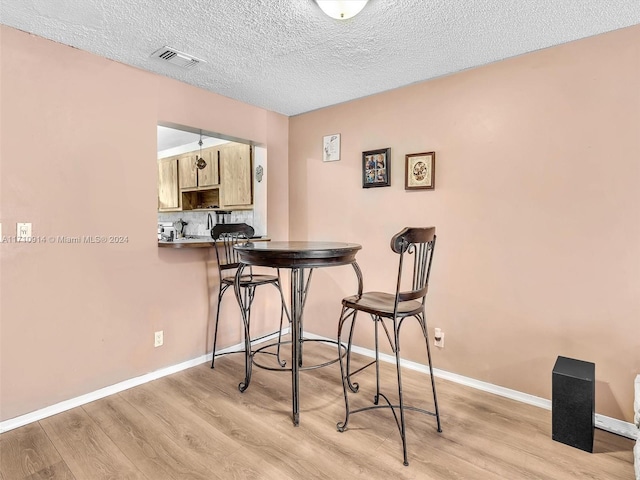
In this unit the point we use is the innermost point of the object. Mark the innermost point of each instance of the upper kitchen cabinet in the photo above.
(235, 175)
(168, 193)
(208, 176)
(191, 176)
(188, 170)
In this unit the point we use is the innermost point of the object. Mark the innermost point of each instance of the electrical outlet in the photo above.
(438, 338)
(158, 339)
(23, 230)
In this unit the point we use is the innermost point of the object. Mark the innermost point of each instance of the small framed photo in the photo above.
(420, 171)
(331, 148)
(376, 168)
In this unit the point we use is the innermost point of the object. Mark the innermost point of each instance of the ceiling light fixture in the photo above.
(341, 9)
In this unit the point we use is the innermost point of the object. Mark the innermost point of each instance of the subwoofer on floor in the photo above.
(573, 403)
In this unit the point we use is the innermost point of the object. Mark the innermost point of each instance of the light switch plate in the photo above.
(23, 230)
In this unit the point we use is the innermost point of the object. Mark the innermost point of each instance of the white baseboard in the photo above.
(603, 422)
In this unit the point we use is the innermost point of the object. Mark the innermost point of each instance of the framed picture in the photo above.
(331, 148)
(419, 172)
(376, 168)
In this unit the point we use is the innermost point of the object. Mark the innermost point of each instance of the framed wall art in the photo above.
(376, 168)
(331, 148)
(419, 172)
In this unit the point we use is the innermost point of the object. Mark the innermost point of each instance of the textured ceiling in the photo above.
(289, 57)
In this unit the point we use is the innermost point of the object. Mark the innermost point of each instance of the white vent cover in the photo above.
(175, 57)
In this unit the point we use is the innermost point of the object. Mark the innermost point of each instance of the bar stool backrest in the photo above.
(227, 235)
(420, 243)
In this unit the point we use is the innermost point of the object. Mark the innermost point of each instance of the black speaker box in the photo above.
(573, 403)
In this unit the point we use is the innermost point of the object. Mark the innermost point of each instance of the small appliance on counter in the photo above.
(166, 231)
(223, 216)
(179, 225)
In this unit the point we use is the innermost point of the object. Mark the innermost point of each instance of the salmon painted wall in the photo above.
(78, 157)
(536, 205)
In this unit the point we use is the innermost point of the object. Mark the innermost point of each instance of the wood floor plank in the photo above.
(56, 471)
(27, 453)
(248, 463)
(266, 433)
(211, 447)
(146, 443)
(87, 450)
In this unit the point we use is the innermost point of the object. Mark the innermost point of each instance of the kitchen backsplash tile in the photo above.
(197, 221)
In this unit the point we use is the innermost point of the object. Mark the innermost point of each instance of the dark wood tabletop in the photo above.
(297, 254)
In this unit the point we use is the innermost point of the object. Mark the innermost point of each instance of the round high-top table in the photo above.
(301, 258)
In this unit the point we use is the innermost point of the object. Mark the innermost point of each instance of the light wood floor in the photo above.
(197, 425)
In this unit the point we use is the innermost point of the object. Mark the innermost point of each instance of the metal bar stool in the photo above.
(227, 235)
(415, 248)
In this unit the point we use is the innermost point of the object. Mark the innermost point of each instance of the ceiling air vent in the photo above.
(171, 55)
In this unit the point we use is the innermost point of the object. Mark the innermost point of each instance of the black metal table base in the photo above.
(301, 258)
(282, 367)
(299, 288)
(300, 280)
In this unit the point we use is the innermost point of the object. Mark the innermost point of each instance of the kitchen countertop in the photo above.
(198, 241)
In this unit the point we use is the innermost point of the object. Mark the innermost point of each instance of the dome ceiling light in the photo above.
(341, 9)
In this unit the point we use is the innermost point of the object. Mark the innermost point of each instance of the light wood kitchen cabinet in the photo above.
(168, 193)
(236, 175)
(208, 176)
(187, 170)
(193, 177)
